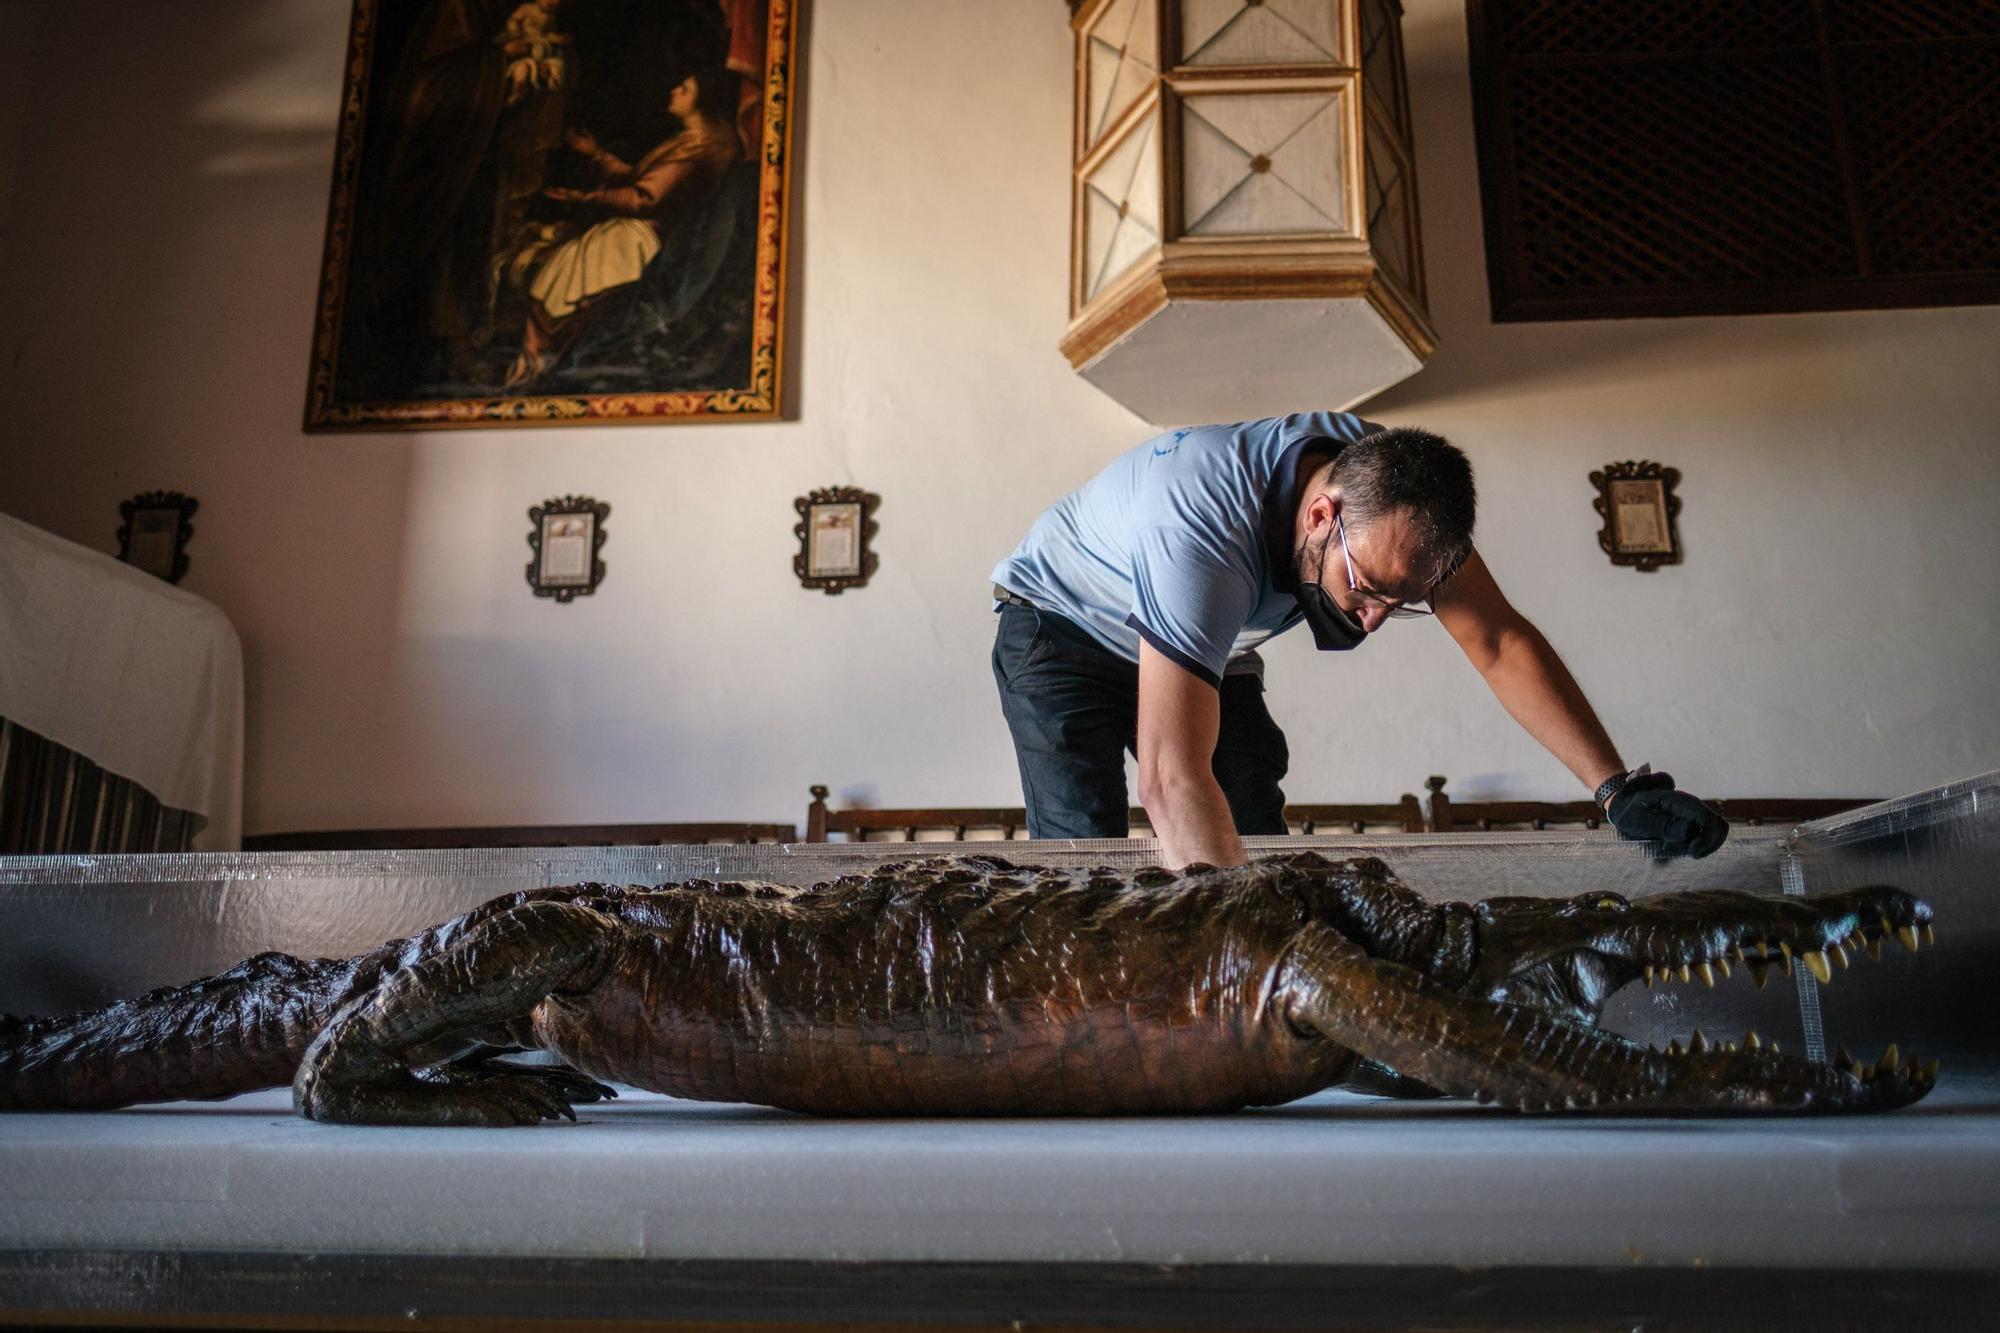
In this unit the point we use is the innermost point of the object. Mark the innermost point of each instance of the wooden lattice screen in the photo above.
(1676, 157)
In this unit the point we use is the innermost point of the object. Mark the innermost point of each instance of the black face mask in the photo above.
(1334, 631)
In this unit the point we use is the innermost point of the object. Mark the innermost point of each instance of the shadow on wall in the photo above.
(308, 538)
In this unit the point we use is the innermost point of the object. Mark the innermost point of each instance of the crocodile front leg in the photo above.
(359, 1069)
(1533, 1060)
(485, 1065)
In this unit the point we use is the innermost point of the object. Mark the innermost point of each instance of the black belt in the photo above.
(1010, 597)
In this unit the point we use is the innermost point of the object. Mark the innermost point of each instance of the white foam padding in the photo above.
(1334, 1179)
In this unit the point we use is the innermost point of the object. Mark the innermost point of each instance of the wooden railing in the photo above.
(1439, 813)
(910, 824)
(537, 835)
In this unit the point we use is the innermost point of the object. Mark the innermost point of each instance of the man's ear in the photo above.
(1321, 508)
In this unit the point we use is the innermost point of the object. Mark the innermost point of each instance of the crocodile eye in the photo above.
(1606, 902)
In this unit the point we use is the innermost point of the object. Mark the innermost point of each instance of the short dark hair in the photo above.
(715, 91)
(1407, 468)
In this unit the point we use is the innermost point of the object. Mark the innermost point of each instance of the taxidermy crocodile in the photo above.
(973, 986)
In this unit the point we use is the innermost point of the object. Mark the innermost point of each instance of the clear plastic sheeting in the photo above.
(81, 931)
(239, 1209)
(1944, 845)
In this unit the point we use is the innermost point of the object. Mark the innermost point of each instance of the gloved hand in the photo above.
(1649, 807)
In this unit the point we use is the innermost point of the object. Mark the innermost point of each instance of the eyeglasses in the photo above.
(1409, 610)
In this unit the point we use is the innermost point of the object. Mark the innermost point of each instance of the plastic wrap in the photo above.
(1943, 844)
(80, 931)
(239, 1208)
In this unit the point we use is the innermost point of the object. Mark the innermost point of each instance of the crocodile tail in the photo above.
(243, 1029)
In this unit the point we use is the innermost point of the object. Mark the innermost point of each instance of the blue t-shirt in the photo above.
(1185, 542)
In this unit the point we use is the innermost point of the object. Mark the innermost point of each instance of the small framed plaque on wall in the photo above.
(834, 529)
(566, 537)
(155, 532)
(1638, 504)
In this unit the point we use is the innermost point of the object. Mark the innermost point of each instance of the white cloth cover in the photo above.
(142, 679)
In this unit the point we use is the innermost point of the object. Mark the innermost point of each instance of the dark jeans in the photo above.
(1073, 708)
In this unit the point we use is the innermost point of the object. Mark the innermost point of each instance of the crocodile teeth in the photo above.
(1931, 1071)
(1750, 1042)
(1674, 1046)
(1820, 962)
(1930, 936)
(1890, 1060)
(1841, 1057)
(1698, 1043)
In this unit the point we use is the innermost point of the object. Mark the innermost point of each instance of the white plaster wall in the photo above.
(1832, 631)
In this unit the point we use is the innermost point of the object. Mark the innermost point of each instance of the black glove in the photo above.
(1649, 807)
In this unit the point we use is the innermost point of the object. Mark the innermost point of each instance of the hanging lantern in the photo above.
(1244, 234)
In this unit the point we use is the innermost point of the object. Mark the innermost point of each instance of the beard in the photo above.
(1308, 570)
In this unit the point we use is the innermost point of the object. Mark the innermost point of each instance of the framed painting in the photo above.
(557, 212)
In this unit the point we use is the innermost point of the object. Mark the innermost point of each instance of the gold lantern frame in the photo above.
(1354, 260)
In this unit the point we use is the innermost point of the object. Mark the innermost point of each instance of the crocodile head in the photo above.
(1567, 957)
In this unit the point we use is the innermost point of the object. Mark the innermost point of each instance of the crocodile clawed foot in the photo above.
(514, 1099)
(488, 1098)
(572, 1086)
(575, 1087)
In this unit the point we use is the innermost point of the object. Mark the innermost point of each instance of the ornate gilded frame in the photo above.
(1639, 508)
(158, 509)
(827, 565)
(759, 398)
(546, 519)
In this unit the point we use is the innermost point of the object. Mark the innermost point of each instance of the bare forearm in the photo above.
(1180, 717)
(624, 200)
(1191, 818)
(1536, 689)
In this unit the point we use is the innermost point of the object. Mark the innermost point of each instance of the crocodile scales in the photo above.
(971, 986)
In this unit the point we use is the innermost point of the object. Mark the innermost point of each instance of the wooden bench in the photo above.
(1450, 816)
(979, 823)
(537, 835)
